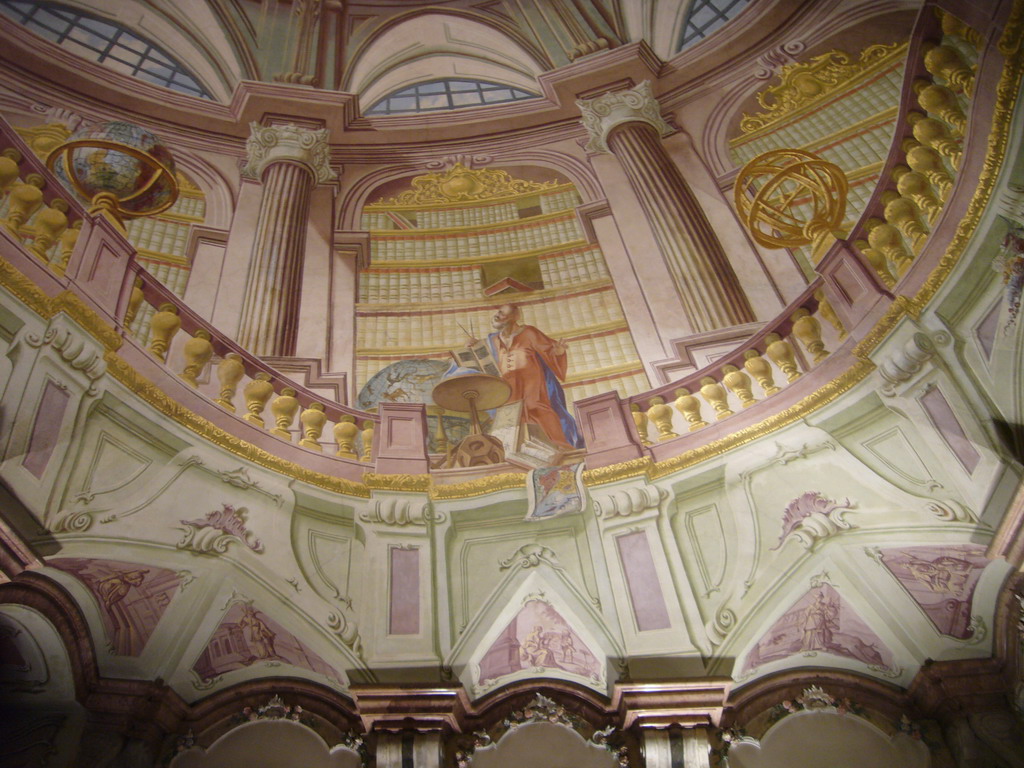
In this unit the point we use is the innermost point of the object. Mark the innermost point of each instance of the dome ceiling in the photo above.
(728, 470)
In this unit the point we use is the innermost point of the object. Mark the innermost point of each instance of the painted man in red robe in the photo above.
(533, 364)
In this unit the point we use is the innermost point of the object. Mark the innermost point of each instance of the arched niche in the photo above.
(430, 46)
(276, 743)
(827, 738)
(543, 745)
(40, 720)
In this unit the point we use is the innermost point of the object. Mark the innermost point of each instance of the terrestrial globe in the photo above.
(123, 170)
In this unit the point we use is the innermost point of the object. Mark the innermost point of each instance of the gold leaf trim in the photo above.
(1013, 32)
(461, 184)
(484, 485)
(807, 82)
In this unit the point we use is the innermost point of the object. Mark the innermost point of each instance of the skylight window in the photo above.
(447, 94)
(104, 42)
(706, 16)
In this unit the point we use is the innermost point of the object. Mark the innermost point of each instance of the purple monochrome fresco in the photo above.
(820, 622)
(940, 579)
(132, 597)
(247, 636)
(538, 638)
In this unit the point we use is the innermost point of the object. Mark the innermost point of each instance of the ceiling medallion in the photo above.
(805, 82)
(462, 184)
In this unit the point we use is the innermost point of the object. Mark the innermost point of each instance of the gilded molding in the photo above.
(288, 143)
(806, 82)
(480, 487)
(1013, 31)
(603, 113)
(23, 289)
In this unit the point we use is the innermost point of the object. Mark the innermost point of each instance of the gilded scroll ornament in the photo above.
(461, 184)
(805, 82)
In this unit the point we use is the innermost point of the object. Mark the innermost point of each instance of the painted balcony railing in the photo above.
(907, 226)
(61, 248)
(892, 249)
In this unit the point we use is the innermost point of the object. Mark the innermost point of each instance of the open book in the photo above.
(478, 357)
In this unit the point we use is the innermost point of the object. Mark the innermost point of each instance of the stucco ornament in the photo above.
(637, 105)
(215, 532)
(812, 517)
(288, 143)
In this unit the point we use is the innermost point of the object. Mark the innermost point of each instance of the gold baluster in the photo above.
(935, 135)
(25, 199)
(953, 27)
(877, 262)
(230, 371)
(345, 432)
(134, 302)
(739, 383)
(887, 240)
(284, 408)
(946, 62)
(826, 311)
(367, 440)
(640, 420)
(661, 415)
(257, 392)
(197, 352)
(781, 353)
(761, 370)
(9, 170)
(162, 326)
(903, 214)
(689, 406)
(915, 186)
(939, 100)
(714, 394)
(313, 420)
(807, 328)
(49, 225)
(926, 160)
(68, 240)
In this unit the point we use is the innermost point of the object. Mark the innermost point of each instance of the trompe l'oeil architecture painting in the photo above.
(487, 383)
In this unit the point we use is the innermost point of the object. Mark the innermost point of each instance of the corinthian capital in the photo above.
(603, 113)
(276, 143)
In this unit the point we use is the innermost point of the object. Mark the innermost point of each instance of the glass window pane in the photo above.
(465, 99)
(431, 88)
(490, 97)
(98, 27)
(462, 85)
(402, 103)
(435, 101)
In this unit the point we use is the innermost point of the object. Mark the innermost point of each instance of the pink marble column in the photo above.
(289, 161)
(628, 125)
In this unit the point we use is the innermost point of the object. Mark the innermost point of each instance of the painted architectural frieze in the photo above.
(538, 639)
(247, 636)
(941, 579)
(821, 622)
(132, 597)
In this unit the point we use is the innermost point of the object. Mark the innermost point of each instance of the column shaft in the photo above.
(708, 287)
(270, 309)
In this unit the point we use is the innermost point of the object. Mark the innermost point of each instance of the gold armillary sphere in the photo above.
(798, 198)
